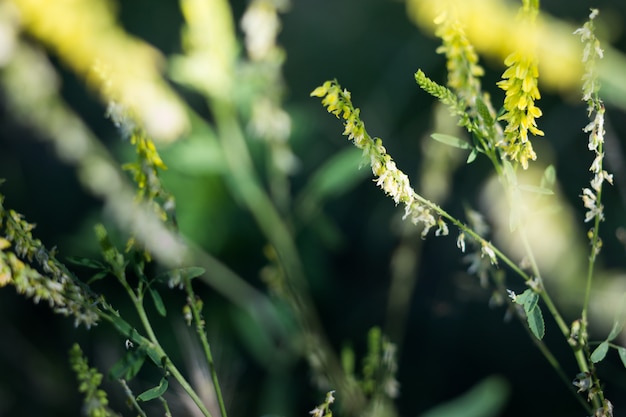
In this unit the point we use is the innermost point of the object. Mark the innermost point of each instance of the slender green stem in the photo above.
(168, 363)
(205, 344)
(137, 299)
(166, 406)
(541, 289)
(470, 232)
(246, 187)
(187, 387)
(159, 352)
(131, 398)
(545, 351)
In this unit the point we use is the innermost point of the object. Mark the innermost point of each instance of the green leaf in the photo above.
(86, 262)
(451, 141)
(529, 300)
(175, 276)
(110, 253)
(483, 111)
(158, 301)
(536, 323)
(335, 177)
(600, 352)
(98, 276)
(509, 172)
(122, 325)
(472, 156)
(485, 399)
(130, 364)
(155, 357)
(199, 154)
(535, 189)
(549, 177)
(155, 392)
(192, 272)
(622, 355)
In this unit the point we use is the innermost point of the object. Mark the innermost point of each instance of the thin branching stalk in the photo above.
(131, 398)
(247, 188)
(200, 330)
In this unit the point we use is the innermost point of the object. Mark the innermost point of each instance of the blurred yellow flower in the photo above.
(84, 34)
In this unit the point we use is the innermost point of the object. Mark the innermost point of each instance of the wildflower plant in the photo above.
(507, 149)
(159, 274)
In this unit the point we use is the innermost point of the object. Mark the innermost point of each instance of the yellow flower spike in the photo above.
(492, 28)
(388, 177)
(520, 86)
(462, 60)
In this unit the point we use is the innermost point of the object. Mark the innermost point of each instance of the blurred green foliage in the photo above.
(453, 339)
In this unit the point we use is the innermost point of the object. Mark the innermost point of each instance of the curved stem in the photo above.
(246, 187)
(205, 343)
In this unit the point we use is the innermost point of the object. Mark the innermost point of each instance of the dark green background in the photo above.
(453, 338)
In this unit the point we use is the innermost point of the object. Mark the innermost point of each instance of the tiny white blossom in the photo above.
(317, 412)
(330, 397)
(460, 242)
(442, 230)
(488, 250)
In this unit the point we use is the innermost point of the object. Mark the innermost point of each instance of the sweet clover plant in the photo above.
(158, 273)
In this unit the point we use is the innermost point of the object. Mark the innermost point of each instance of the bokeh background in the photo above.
(452, 338)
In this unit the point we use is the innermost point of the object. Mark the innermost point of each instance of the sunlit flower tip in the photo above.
(317, 412)
(487, 250)
(511, 294)
(322, 90)
(330, 397)
(460, 242)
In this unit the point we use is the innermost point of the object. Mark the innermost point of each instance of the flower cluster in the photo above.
(96, 401)
(58, 287)
(591, 196)
(323, 410)
(269, 121)
(520, 85)
(462, 60)
(392, 180)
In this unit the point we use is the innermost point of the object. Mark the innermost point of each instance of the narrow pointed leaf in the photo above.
(335, 177)
(98, 276)
(130, 364)
(529, 300)
(189, 272)
(86, 262)
(451, 141)
(549, 177)
(155, 392)
(158, 301)
(472, 156)
(600, 352)
(483, 111)
(486, 399)
(536, 323)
